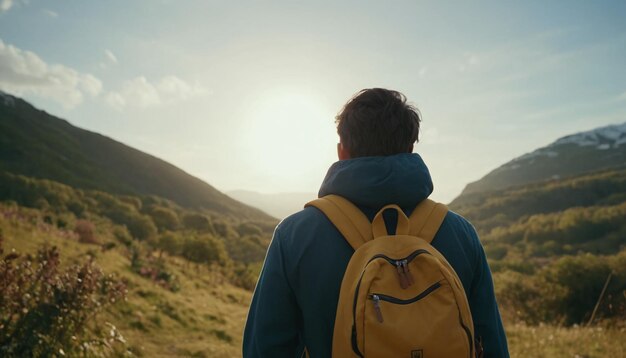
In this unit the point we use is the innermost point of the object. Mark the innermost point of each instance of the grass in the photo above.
(572, 342)
(206, 317)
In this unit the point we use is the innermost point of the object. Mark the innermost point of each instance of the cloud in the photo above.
(23, 72)
(110, 56)
(140, 92)
(5, 5)
(52, 14)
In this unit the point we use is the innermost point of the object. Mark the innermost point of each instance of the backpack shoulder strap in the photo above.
(347, 218)
(427, 218)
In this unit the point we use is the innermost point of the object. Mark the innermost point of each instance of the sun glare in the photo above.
(290, 136)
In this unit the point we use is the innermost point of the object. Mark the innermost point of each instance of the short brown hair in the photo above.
(378, 122)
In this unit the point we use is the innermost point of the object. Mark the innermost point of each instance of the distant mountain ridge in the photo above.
(279, 205)
(579, 153)
(36, 144)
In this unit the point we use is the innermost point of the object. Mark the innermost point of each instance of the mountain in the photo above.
(579, 153)
(36, 144)
(552, 226)
(279, 205)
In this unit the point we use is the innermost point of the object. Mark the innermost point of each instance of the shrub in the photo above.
(122, 235)
(496, 252)
(140, 226)
(86, 232)
(169, 242)
(247, 228)
(247, 249)
(164, 219)
(198, 222)
(205, 250)
(244, 276)
(223, 229)
(582, 277)
(45, 311)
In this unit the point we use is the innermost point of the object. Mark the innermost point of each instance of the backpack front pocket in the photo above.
(377, 297)
(428, 322)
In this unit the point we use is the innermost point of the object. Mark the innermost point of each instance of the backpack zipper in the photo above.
(399, 301)
(407, 272)
(404, 282)
(377, 297)
(379, 313)
(402, 266)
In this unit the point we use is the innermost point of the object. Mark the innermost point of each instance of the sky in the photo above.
(243, 94)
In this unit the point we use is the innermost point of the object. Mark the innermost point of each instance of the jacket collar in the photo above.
(373, 182)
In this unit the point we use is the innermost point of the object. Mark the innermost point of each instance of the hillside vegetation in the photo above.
(185, 275)
(36, 144)
(108, 251)
(164, 306)
(553, 245)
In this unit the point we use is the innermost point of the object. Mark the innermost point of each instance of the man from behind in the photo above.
(295, 301)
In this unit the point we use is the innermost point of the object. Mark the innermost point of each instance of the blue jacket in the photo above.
(295, 299)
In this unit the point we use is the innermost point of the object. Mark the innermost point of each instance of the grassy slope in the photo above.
(204, 319)
(36, 144)
(559, 342)
(520, 205)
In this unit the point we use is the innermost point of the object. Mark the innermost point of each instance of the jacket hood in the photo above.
(373, 182)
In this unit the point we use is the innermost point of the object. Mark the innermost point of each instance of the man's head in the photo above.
(377, 122)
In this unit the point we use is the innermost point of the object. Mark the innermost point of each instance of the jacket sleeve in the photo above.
(272, 325)
(485, 314)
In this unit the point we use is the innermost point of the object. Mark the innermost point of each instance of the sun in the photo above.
(287, 138)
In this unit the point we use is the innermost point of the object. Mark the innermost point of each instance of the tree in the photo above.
(246, 249)
(169, 242)
(198, 222)
(140, 226)
(223, 229)
(247, 228)
(164, 218)
(204, 250)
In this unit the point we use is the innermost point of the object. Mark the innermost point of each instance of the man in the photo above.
(295, 300)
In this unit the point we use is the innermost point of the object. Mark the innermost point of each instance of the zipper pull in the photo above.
(379, 313)
(401, 275)
(407, 272)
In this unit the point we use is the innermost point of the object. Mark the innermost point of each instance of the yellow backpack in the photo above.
(399, 296)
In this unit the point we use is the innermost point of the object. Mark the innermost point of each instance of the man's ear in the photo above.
(342, 152)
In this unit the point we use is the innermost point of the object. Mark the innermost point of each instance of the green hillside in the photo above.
(552, 245)
(156, 305)
(108, 251)
(585, 152)
(36, 144)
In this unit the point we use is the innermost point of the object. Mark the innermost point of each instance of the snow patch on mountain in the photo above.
(613, 136)
(530, 157)
(603, 138)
